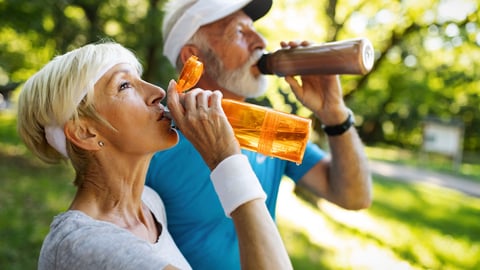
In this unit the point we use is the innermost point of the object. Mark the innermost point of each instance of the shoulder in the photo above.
(76, 241)
(155, 204)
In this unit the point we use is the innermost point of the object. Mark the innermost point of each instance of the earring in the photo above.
(101, 143)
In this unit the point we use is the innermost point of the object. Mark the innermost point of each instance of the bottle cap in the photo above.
(191, 73)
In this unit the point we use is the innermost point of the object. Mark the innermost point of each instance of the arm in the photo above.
(243, 199)
(200, 116)
(259, 241)
(344, 177)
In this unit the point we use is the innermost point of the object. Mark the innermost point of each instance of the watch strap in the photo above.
(337, 130)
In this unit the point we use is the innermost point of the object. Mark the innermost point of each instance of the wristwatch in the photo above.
(341, 128)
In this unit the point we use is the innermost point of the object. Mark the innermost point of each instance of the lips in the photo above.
(167, 114)
(163, 113)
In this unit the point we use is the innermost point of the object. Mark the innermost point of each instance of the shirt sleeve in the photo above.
(155, 204)
(313, 154)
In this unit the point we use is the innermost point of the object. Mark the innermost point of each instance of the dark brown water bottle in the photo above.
(353, 56)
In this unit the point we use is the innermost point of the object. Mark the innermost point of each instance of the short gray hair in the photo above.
(62, 90)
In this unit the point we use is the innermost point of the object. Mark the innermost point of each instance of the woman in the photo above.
(91, 106)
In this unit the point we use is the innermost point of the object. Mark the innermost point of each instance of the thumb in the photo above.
(173, 100)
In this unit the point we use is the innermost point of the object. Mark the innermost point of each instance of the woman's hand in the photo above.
(200, 117)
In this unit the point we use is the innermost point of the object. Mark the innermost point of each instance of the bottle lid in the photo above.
(368, 55)
(191, 73)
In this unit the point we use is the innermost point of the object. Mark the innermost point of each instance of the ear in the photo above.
(82, 134)
(189, 50)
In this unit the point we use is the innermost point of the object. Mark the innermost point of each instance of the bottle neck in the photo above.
(262, 64)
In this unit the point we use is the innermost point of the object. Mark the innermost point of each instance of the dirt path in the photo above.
(406, 173)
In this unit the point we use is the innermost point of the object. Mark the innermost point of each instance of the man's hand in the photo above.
(322, 94)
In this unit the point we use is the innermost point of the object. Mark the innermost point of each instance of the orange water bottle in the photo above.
(267, 131)
(257, 128)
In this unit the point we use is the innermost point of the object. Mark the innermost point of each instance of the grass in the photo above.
(469, 168)
(408, 226)
(31, 194)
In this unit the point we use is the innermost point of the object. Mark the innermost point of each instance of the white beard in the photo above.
(239, 81)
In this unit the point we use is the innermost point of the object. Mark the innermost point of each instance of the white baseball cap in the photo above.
(196, 13)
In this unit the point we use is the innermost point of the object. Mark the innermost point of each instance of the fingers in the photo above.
(197, 100)
(294, 44)
(216, 100)
(196, 103)
(294, 84)
(306, 43)
(181, 104)
(173, 100)
(199, 115)
(202, 100)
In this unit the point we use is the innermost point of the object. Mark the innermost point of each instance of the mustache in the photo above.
(256, 55)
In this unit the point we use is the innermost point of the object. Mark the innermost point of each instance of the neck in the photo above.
(112, 190)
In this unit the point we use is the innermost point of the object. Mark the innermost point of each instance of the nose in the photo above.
(257, 40)
(154, 94)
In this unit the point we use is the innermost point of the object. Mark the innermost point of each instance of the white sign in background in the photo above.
(443, 139)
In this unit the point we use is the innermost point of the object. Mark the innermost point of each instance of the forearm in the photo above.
(260, 244)
(344, 179)
(243, 199)
(349, 183)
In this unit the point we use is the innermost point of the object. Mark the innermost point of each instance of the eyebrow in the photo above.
(123, 70)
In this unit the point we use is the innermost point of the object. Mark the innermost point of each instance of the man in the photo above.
(222, 35)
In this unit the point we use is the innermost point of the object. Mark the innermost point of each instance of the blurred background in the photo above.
(418, 108)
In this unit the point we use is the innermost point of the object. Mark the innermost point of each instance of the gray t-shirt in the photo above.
(77, 241)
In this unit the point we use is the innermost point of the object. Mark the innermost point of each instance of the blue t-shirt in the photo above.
(196, 220)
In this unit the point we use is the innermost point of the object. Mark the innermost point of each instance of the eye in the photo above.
(238, 29)
(125, 85)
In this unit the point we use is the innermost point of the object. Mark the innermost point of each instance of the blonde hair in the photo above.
(62, 90)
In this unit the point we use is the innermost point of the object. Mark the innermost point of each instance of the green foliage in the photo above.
(426, 53)
(31, 194)
(54, 27)
(8, 126)
(28, 202)
(425, 65)
(425, 70)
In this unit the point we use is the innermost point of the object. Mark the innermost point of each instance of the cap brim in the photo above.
(257, 8)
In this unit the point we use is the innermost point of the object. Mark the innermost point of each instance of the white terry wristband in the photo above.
(236, 183)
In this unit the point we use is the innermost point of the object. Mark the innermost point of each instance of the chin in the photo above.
(167, 140)
(174, 138)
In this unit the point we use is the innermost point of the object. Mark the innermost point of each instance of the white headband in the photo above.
(54, 133)
(56, 138)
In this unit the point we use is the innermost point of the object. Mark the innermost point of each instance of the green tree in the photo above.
(425, 64)
(54, 27)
